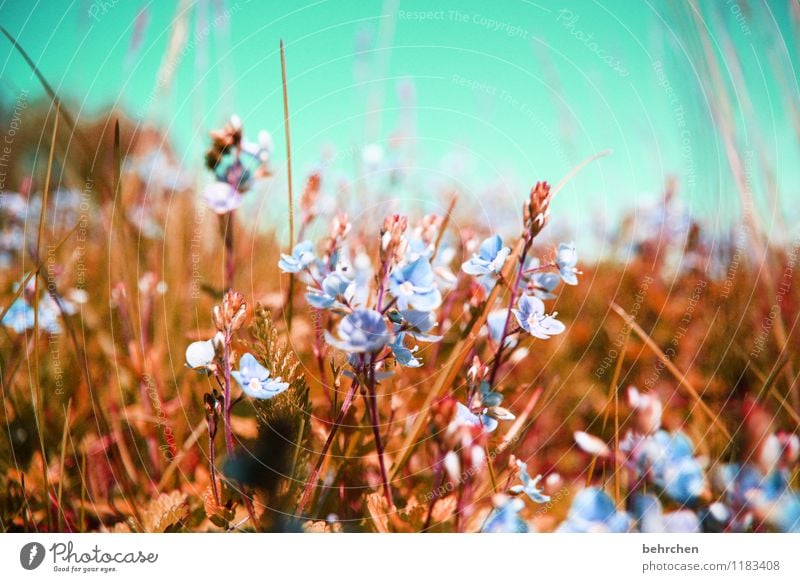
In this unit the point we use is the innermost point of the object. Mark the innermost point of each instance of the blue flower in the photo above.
(301, 258)
(532, 318)
(200, 355)
(544, 282)
(567, 263)
(417, 324)
(530, 486)
(414, 285)
(488, 417)
(496, 323)
(594, 511)
(20, 316)
(255, 381)
(334, 286)
(465, 417)
(489, 259)
(506, 517)
(404, 355)
(668, 458)
(769, 497)
(221, 197)
(647, 510)
(363, 331)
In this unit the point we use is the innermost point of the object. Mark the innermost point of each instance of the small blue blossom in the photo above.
(647, 511)
(464, 416)
(489, 259)
(593, 511)
(200, 355)
(221, 197)
(532, 318)
(768, 497)
(417, 324)
(530, 486)
(505, 518)
(544, 282)
(20, 316)
(334, 286)
(496, 323)
(301, 258)
(363, 331)
(414, 285)
(567, 263)
(255, 381)
(668, 459)
(404, 355)
(156, 169)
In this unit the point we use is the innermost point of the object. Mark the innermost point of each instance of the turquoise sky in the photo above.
(504, 93)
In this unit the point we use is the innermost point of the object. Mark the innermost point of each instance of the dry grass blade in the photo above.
(677, 374)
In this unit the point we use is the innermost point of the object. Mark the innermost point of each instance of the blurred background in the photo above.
(484, 98)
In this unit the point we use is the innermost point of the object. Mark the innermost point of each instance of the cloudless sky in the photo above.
(495, 93)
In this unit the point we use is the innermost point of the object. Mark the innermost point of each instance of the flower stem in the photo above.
(372, 401)
(312, 480)
(227, 377)
(498, 358)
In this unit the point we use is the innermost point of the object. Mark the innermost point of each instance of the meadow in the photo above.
(168, 364)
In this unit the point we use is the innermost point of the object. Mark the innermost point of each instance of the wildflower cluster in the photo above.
(751, 495)
(236, 164)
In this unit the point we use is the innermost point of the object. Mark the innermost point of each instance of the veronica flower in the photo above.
(668, 460)
(543, 282)
(335, 285)
(301, 258)
(200, 355)
(593, 511)
(532, 318)
(488, 418)
(363, 331)
(414, 285)
(489, 259)
(505, 518)
(404, 355)
(155, 168)
(221, 197)
(567, 261)
(767, 497)
(20, 316)
(649, 514)
(255, 381)
(530, 486)
(496, 323)
(260, 150)
(417, 324)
